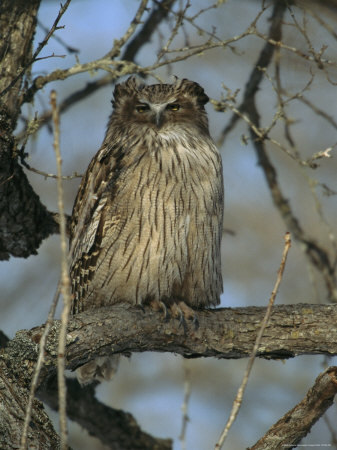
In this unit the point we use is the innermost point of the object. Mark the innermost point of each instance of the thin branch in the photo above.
(239, 396)
(317, 110)
(65, 279)
(317, 255)
(184, 406)
(180, 16)
(120, 68)
(296, 424)
(156, 16)
(69, 48)
(49, 175)
(263, 61)
(39, 48)
(118, 43)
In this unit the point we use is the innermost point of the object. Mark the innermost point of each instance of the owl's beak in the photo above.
(158, 114)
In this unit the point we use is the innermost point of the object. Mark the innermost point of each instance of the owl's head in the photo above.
(161, 106)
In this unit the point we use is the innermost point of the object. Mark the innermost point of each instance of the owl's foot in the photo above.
(178, 310)
(160, 306)
(183, 312)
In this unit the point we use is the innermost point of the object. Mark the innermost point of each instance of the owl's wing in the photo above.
(88, 218)
(85, 216)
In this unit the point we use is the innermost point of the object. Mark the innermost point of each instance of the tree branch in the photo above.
(227, 333)
(296, 424)
(223, 333)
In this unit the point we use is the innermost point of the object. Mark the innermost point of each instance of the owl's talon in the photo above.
(157, 305)
(165, 310)
(183, 312)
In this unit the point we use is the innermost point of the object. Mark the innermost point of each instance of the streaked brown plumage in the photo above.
(147, 220)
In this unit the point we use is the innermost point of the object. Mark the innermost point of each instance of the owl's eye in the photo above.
(142, 108)
(173, 107)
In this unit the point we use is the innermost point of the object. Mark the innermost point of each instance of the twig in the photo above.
(69, 48)
(49, 175)
(318, 111)
(179, 20)
(316, 254)
(238, 399)
(65, 279)
(184, 406)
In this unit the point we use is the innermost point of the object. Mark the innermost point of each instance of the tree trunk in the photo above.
(24, 221)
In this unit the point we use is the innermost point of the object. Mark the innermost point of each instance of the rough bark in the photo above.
(24, 221)
(296, 424)
(13, 401)
(227, 333)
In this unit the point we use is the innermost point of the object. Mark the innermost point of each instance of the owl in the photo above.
(147, 220)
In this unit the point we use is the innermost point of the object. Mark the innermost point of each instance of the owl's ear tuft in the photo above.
(134, 82)
(192, 88)
(130, 87)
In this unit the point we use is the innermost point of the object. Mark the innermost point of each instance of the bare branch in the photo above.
(239, 396)
(184, 406)
(118, 43)
(28, 406)
(65, 279)
(156, 16)
(317, 255)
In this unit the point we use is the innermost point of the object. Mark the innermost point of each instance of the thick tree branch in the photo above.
(224, 333)
(297, 423)
(13, 401)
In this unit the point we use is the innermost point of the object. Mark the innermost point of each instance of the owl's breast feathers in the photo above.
(147, 222)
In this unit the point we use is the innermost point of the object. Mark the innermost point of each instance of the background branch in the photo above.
(316, 254)
(157, 15)
(297, 423)
(113, 427)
